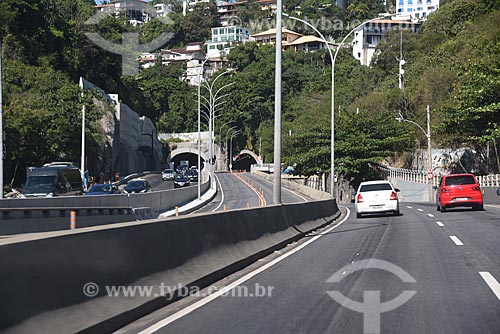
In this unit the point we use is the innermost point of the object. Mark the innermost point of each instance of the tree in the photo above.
(197, 24)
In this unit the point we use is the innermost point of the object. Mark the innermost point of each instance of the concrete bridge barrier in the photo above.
(44, 277)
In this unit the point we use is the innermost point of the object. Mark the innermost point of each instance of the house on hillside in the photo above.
(137, 12)
(367, 37)
(416, 9)
(291, 40)
(269, 36)
(191, 51)
(225, 37)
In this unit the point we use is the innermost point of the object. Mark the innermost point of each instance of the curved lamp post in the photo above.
(332, 148)
(427, 134)
(231, 150)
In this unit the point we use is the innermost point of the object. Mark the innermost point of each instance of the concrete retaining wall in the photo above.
(305, 190)
(490, 195)
(43, 277)
(412, 191)
(418, 192)
(145, 206)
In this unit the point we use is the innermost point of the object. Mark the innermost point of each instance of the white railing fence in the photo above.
(419, 176)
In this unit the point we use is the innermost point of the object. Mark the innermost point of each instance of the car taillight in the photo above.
(476, 188)
(445, 190)
(360, 199)
(393, 196)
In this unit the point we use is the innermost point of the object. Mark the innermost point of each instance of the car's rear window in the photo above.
(375, 187)
(459, 180)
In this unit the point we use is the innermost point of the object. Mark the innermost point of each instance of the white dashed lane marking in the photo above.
(456, 240)
(492, 282)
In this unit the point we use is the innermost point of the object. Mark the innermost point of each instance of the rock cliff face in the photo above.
(130, 142)
(138, 148)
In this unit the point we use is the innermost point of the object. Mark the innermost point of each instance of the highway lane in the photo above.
(158, 184)
(451, 294)
(237, 193)
(287, 196)
(234, 195)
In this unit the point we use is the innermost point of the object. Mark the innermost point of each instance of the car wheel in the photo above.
(358, 215)
(396, 213)
(478, 207)
(443, 208)
(437, 207)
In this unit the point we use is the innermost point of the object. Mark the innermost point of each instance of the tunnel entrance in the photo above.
(191, 157)
(243, 162)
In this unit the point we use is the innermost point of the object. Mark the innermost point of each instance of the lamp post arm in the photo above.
(416, 124)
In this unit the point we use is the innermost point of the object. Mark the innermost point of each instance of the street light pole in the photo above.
(429, 153)
(1, 125)
(332, 148)
(427, 134)
(231, 150)
(333, 92)
(277, 107)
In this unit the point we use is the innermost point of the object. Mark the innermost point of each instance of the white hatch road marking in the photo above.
(168, 320)
(456, 240)
(430, 215)
(420, 210)
(440, 224)
(492, 282)
(409, 207)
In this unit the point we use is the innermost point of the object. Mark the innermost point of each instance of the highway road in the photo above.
(157, 183)
(447, 263)
(241, 191)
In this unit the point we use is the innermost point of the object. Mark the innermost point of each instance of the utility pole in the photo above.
(277, 108)
(429, 154)
(82, 157)
(401, 63)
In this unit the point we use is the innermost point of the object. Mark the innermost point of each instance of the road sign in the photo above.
(430, 175)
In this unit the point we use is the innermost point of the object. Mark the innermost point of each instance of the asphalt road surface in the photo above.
(240, 191)
(158, 184)
(448, 262)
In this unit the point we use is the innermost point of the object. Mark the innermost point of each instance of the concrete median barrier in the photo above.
(44, 278)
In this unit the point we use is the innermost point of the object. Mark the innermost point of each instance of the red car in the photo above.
(459, 190)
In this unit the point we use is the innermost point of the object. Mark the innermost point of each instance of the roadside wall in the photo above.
(305, 190)
(23, 218)
(43, 277)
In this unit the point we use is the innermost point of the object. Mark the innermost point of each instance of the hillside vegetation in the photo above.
(452, 64)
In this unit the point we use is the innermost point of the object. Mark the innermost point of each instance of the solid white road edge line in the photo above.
(221, 192)
(492, 282)
(456, 240)
(155, 327)
(440, 224)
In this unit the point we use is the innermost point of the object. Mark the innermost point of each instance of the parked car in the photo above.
(167, 175)
(102, 189)
(137, 186)
(181, 181)
(376, 197)
(458, 190)
(53, 179)
(192, 174)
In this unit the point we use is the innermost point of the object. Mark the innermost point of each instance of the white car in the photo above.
(376, 197)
